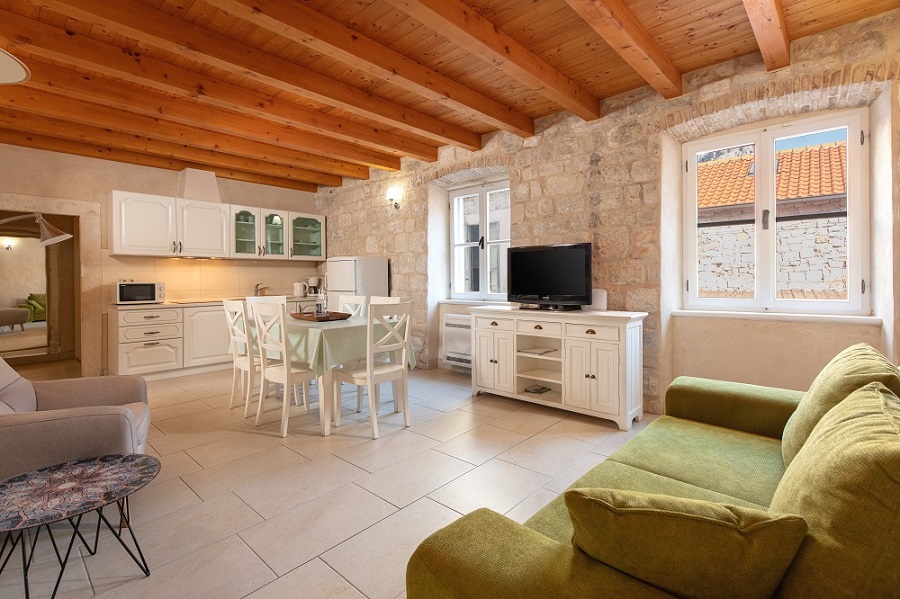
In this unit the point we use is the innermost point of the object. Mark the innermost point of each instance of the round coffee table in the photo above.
(68, 491)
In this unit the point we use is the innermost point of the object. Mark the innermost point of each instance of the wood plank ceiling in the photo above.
(302, 93)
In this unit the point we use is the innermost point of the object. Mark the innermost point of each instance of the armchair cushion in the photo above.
(845, 482)
(687, 547)
(856, 366)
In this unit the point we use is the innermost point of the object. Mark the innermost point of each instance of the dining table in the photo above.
(325, 345)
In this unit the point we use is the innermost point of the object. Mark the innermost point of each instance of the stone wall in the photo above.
(599, 181)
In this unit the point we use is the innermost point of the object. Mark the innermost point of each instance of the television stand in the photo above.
(550, 307)
(584, 362)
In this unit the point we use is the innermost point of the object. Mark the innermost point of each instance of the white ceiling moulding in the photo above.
(194, 184)
(12, 70)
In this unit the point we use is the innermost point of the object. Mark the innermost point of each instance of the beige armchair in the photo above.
(48, 422)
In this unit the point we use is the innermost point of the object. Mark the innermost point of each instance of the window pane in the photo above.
(497, 268)
(726, 230)
(811, 216)
(498, 215)
(468, 219)
(467, 273)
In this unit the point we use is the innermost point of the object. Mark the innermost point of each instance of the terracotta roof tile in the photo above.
(802, 173)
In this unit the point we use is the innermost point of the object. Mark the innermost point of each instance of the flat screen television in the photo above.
(550, 277)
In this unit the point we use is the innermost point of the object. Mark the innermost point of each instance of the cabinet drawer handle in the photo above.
(538, 327)
(151, 343)
(593, 377)
(590, 332)
(179, 247)
(174, 248)
(151, 316)
(494, 323)
(587, 376)
(152, 333)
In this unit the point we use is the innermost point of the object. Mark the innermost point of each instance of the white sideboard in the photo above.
(585, 362)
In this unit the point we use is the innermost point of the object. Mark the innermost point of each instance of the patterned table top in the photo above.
(66, 490)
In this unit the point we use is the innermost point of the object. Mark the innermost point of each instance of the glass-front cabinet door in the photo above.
(307, 236)
(274, 234)
(245, 223)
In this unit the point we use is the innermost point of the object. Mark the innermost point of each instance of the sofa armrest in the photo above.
(90, 391)
(31, 440)
(486, 555)
(739, 406)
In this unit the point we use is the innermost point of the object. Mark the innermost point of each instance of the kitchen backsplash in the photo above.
(192, 278)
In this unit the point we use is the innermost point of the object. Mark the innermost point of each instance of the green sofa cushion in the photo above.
(39, 298)
(691, 548)
(35, 305)
(553, 521)
(856, 366)
(845, 482)
(726, 461)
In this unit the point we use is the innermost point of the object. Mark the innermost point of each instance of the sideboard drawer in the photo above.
(129, 317)
(145, 332)
(587, 331)
(494, 324)
(536, 327)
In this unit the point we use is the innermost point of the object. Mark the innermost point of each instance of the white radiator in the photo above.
(457, 339)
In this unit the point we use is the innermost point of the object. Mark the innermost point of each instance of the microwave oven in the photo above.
(129, 292)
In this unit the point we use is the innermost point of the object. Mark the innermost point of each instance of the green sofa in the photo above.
(36, 304)
(739, 491)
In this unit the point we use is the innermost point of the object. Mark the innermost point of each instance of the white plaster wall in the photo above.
(762, 352)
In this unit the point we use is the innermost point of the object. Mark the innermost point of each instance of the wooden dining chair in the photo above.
(271, 331)
(245, 361)
(387, 335)
(355, 305)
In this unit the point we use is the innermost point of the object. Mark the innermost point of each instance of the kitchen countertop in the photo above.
(200, 302)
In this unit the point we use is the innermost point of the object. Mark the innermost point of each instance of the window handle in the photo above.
(765, 220)
(481, 242)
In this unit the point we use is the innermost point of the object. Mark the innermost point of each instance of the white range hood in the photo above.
(194, 184)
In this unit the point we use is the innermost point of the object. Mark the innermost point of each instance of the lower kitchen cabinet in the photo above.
(205, 336)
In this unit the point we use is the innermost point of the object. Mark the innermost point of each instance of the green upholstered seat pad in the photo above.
(726, 461)
(39, 298)
(553, 519)
(845, 482)
(687, 547)
(855, 367)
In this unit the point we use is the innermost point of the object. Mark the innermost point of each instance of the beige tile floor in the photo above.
(237, 511)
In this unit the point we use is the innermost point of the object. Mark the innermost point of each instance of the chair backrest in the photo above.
(355, 305)
(381, 299)
(252, 300)
(238, 328)
(271, 332)
(388, 331)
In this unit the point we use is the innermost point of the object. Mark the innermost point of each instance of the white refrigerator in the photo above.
(355, 275)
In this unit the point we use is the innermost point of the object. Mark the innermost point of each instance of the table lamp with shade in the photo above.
(49, 233)
(12, 70)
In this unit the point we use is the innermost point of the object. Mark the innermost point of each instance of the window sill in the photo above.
(780, 316)
(468, 302)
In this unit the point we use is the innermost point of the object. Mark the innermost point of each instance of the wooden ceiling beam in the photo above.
(306, 26)
(75, 148)
(153, 27)
(45, 77)
(46, 41)
(104, 143)
(461, 24)
(50, 105)
(619, 28)
(767, 21)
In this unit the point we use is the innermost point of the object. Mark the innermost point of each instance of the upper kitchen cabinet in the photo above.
(151, 225)
(259, 233)
(307, 236)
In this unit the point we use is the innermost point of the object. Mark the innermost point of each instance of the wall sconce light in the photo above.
(8, 247)
(393, 196)
(49, 233)
(12, 70)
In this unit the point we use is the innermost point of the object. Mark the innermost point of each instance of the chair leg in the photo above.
(404, 391)
(234, 385)
(336, 409)
(359, 394)
(373, 412)
(247, 378)
(263, 391)
(285, 408)
(305, 396)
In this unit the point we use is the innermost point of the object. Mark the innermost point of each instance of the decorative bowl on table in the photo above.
(313, 317)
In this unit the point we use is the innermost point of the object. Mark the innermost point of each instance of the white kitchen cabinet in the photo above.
(205, 336)
(259, 233)
(144, 339)
(153, 225)
(585, 362)
(306, 236)
(494, 356)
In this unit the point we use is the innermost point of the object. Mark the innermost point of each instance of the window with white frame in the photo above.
(479, 237)
(776, 218)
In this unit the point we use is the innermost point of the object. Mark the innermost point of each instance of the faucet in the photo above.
(259, 289)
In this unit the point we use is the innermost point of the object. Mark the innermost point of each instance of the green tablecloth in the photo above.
(325, 345)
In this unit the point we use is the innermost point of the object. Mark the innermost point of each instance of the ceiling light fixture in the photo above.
(49, 233)
(12, 70)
